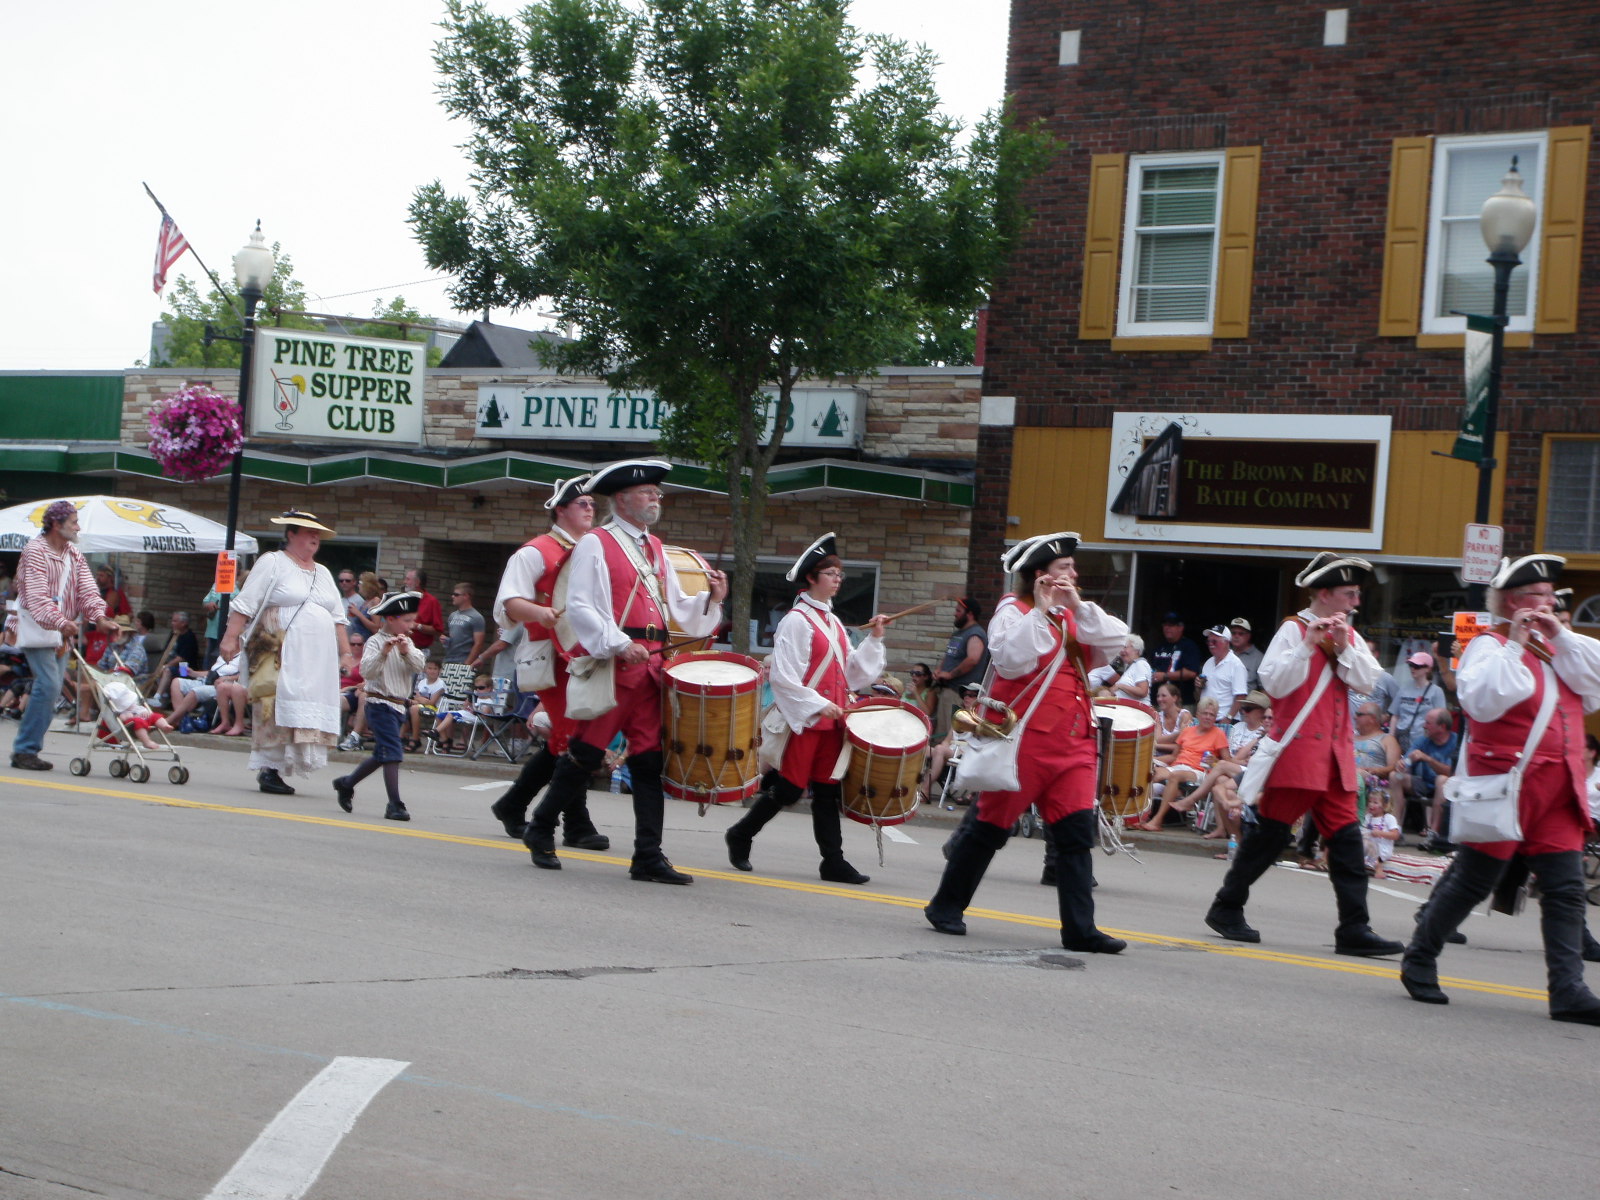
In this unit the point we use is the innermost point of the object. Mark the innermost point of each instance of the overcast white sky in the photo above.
(317, 116)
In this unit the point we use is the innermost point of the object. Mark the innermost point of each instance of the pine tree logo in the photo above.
(833, 423)
(490, 416)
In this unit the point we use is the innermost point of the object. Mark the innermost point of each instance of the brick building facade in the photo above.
(1252, 214)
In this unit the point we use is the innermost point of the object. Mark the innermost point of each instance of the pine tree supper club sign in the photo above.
(311, 386)
(823, 416)
(1309, 481)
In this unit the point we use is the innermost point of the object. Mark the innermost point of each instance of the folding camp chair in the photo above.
(500, 728)
(457, 680)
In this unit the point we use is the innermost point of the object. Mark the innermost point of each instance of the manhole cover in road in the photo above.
(1047, 960)
(568, 972)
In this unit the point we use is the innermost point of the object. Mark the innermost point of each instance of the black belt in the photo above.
(647, 633)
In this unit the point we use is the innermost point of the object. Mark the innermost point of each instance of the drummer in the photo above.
(813, 672)
(526, 594)
(1045, 631)
(620, 591)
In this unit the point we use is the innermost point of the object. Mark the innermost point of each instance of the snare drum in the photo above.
(694, 578)
(1125, 780)
(888, 742)
(710, 704)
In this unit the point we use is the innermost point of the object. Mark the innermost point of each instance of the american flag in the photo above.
(170, 245)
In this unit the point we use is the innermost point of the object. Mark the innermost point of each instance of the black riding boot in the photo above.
(1347, 872)
(649, 864)
(1467, 882)
(1073, 838)
(776, 794)
(1561, 905)
(827, 830)
(1254, 858)
(962, 829)
(511, 810)
(969, 859)
(570, 778)
(1591, 948)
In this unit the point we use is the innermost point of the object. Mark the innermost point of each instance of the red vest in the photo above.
(1067, 696)
(1493, 747)
(832, 684)
(555, 554)
(632, 604)
(1304, 762)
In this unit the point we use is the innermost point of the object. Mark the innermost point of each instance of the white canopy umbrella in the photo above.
(121, 524)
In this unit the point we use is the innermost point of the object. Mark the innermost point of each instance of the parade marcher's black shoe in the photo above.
(396, 812)
(776, 793)
(1421, 983)
(345, 792)
(659, 871)
(837, 870)
(738, 851)
(587, 841)
(272, 783)
(542, 850)
(1229, 922)
(943, 922)
(1362, 942)
(512, 814)
(32, 762)
(1095, 943)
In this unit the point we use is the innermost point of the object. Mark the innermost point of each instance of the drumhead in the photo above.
(1126, 717)
(710, 672)
(886, 727)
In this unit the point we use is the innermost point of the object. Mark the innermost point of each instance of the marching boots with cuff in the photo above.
(649, 864)
(1469, 880)
(272, 783)
(511, 810)
(825, 827)
(1561, 910)
(1347, 872)
(1254, 858)
(571, 775)
(776, 793)
(969, 859)
(1073, 837)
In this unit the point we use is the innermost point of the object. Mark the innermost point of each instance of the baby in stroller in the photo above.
(133, 713)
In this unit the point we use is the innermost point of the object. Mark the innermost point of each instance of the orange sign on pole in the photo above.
(1468, 625)
(227, 573)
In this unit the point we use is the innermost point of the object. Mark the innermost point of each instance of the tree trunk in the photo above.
(747, 501)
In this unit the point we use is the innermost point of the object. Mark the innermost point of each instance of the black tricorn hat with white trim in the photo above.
(814, 553)
(1563, 599)
(1037, 551)
(631, 472)
(1530, 568)
(566, 491)
(1332, 569)
(396, 604)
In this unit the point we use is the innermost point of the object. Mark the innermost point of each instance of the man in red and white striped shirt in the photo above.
(54, 587)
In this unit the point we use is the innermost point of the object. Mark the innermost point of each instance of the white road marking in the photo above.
(892, 832)
(498, 785)
(286, 1159)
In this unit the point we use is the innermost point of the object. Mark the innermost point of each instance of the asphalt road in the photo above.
(178, 963)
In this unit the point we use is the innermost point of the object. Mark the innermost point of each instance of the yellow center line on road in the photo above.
(1367, 967)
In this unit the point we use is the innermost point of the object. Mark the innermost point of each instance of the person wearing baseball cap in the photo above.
(1315, 773)
(1414, 698)
(1177, 659)
(1528, 678)
(1243, 640)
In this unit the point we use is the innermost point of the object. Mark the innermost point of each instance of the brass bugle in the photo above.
(966, 721)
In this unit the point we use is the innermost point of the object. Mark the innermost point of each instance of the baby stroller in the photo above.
(113, 736)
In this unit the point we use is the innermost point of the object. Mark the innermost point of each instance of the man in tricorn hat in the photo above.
(1316, 771)
(620, 591)
(814, 670)
(1527, 671)
(527, 591)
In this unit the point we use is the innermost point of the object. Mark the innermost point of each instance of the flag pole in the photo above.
(189, 246)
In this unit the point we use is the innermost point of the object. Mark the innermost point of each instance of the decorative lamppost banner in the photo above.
(313, 386)
(1479, 347)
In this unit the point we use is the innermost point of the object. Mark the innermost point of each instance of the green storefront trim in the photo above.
(820, 475)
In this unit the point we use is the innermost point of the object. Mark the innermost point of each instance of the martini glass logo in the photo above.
(286, 398)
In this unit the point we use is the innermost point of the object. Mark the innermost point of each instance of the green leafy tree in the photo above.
(191, 313)
(723, 197)
(391, 320)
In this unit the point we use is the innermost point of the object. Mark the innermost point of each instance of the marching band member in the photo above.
(1316, 772)
(619, 593)
(526, 594)
(1045, 626)
(1502, 685)
(814, 670)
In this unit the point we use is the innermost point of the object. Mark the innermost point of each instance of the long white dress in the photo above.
(305, 603)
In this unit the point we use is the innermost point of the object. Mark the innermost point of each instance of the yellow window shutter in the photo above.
(1097, 315)
(1236, 251)
(1405, 250)
(1561, 239)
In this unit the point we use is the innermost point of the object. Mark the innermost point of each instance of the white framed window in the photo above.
(1169, 279)
(1466, 172)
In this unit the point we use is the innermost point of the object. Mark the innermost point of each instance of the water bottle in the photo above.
(1233, 847)
(1206, 760)
(616, 780)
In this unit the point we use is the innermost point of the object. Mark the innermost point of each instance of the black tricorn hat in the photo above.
(1037, 551)
(566, 491)
(609, 480)
(1530, 568)
(396, 604)
(814, 553)
(1332, 569)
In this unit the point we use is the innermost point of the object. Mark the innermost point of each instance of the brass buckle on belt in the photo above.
(654, 633)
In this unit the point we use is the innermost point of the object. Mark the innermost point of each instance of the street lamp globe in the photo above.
(253, 264)
(1508, 216)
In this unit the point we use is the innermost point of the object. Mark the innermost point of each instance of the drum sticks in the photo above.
(906, 612)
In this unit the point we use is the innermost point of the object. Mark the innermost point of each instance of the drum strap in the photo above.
(643, 572)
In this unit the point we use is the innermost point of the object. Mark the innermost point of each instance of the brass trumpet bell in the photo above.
(967, 721)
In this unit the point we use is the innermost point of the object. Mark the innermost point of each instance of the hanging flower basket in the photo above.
(195, 433)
